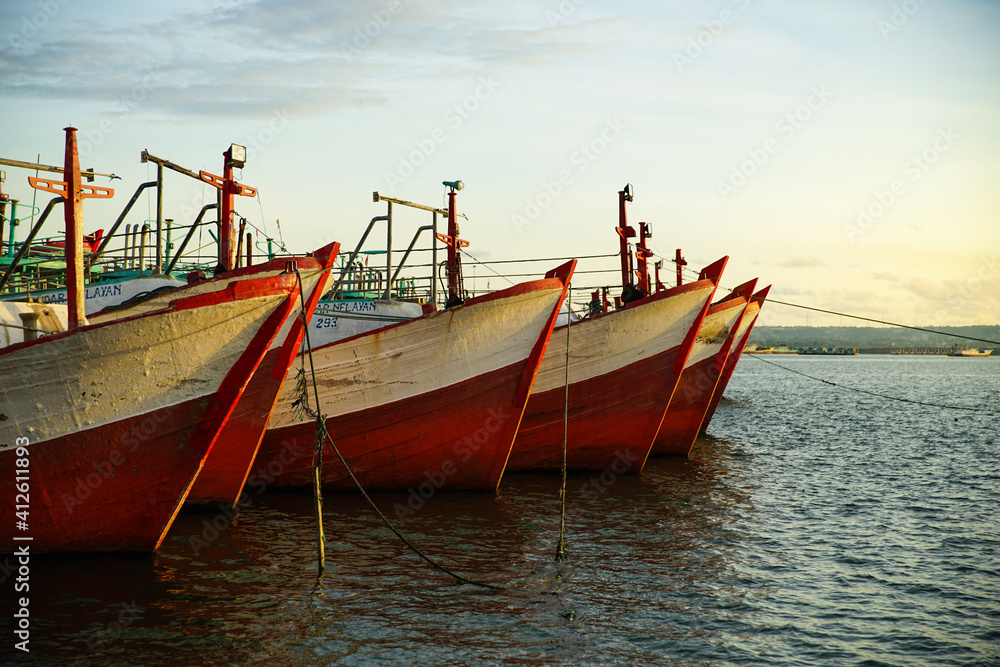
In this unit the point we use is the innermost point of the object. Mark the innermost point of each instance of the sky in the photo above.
(844, 152)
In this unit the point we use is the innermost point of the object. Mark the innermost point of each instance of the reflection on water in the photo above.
(813, 526)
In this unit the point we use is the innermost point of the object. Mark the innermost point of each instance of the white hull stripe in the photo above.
(611, 342)
(423, 355)
(126, 368)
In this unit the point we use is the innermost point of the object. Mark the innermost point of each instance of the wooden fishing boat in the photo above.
(623, 367)
(107, 424)
(226, 468)
(702, 370)
(115, 419)
(742, 340)
(433, 402)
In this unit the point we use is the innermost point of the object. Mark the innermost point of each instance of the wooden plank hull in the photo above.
(227, 466)
(701, 373)
(623, 368)
(434, 400)
(743, 338)
(116, 418)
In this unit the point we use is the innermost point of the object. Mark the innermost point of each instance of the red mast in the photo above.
(624, 234)
(454, 244)
(236, 157)
(642, 255)
(679, 261)
(73, 209)
(74, 192)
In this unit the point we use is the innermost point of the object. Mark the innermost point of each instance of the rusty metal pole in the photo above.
(623, 239)
(159, 220)
(227, 233)
(74, 232)
(434, 259)
(453, 268)
(642, 258)
(249, 250)
(679, 261)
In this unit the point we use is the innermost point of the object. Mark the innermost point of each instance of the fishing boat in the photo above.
(969, 352)
(428, 403)
(227, 466)
(107, 424)
(610, 376)
(742, 339)
(704, 367)
(143, 262)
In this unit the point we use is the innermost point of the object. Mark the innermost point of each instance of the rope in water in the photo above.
(865, 391)
(323, 434)
(561, 549)
(459, 578)
(318, 446)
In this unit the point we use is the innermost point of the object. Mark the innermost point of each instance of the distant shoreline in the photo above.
(880, 340)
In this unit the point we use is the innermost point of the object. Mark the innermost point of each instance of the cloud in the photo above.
(926, 289)
(237, 58)
(802, 263)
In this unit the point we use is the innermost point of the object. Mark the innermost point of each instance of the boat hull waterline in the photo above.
(119, 416)
(747, 323)
(690, 401)
(623, 368)
(429, 403)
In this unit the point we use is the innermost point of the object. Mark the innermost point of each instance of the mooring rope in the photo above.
(318, 446)
(561, 548)
(323, 434)
(865, 391)
(459, 578)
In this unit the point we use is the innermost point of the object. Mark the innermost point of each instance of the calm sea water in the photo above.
(814, 526)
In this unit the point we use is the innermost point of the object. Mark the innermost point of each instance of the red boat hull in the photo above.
(137, 472)
(227, 467)
(434, 400)
(746, 328)
(116, 418)
(687, 409)
(458, 437)
(623, 368)
(690, 401)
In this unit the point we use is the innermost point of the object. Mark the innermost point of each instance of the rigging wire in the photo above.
(542, 259)
(476, 261)
(865, 391)
(892, 324)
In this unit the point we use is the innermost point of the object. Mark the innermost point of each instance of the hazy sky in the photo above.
(846, 152)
